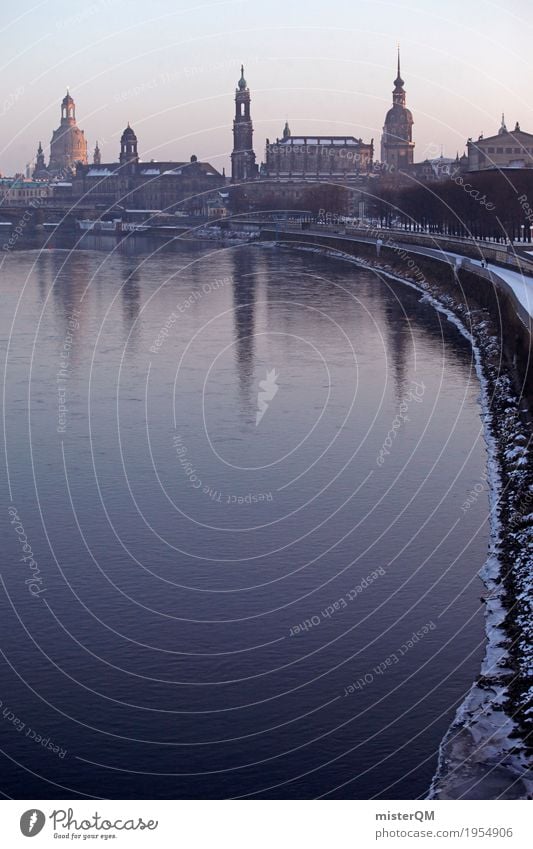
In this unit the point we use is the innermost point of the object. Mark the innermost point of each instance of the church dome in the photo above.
(128, 135)
(399, 114)
(68, 145)
(128, 147)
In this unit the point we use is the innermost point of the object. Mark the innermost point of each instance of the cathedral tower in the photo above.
(128, 147)
(40, 169)
(397, 146)
(243, 165)
(68, 145)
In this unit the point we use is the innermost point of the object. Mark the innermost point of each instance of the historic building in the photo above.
(295, 158)
(23, 192)
(428, 171)
(243, 165)
(300, 172)
(504, 150)
(397, 146)
(68, 146)
(131, 183)
(333, 158)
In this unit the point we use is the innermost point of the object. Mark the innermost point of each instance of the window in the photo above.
(508, 149)
(499, 150)
(491, 150)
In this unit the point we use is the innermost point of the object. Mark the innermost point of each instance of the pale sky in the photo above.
(170, 68)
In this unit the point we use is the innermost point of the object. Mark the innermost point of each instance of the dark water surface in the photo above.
(223, 607)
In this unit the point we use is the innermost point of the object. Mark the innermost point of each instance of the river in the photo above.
(241, 475)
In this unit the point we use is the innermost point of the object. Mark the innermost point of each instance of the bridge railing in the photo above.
(504, 255)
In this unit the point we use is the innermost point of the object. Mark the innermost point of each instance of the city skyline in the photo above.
(267, 323)
(179, 94)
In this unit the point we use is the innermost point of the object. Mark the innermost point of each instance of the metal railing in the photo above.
(504, 255)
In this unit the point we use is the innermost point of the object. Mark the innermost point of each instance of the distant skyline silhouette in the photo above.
(170, 69)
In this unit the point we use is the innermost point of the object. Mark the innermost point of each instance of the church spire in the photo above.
(40, 167)
(398, 95)
(397, 140)
(243, 165)
(398, 82)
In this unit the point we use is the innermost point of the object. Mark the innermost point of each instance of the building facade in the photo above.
(188, 187)
(504, 150)
(397, 146)
(333, 158)
(22, 192)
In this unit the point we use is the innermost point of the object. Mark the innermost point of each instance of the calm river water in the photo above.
(235, 558)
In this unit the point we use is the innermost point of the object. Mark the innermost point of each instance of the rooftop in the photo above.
(341, 141)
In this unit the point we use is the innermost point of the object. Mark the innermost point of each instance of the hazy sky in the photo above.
(170, 68)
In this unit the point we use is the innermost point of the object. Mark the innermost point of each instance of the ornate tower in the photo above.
(286, 131)
(397, 146)
(40, 158)
(97, 156)
(68, 145)
(40, 165)
(243, 166)
(68, 110)
(128, 147)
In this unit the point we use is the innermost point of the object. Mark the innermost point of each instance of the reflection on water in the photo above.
(244, 286)
(233, 605)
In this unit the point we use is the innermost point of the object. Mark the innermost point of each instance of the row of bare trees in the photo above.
(488, 205)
